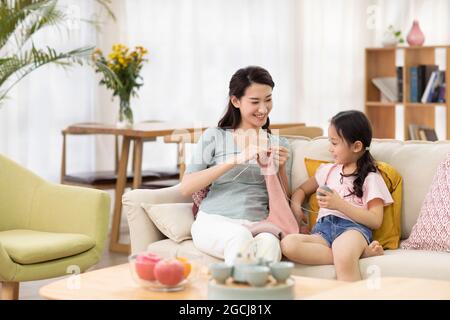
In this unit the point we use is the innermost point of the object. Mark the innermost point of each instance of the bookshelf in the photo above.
(383, 62)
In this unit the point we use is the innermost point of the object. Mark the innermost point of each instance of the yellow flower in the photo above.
(122, 61)
(117, 47)
(141, 50)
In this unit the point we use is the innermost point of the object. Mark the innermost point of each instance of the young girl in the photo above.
(353, 208)
(225, 160)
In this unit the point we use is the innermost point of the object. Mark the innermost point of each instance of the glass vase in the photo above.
(125, 114)
(415, 36)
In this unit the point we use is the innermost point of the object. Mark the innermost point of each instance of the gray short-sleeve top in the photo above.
(239, 193)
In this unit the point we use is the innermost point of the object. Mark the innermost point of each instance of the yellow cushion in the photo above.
(28, 247)
(390, 231)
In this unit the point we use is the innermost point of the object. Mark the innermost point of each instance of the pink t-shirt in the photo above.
(373, 187)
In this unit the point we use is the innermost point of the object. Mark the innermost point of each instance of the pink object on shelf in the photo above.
(415, 36)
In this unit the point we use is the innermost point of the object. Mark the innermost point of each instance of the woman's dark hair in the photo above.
(240, 81)
(354, 126)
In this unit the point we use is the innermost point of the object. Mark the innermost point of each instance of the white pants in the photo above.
(224, 238)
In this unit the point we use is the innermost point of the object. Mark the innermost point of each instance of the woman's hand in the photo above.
(251, 145)
(280, 155)
(298, 213)
(249, 153)
(330, 200)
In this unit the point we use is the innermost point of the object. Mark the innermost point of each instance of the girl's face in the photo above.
(342, 151)
(255, 106)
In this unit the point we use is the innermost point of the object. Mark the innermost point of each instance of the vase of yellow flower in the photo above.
(120, 72)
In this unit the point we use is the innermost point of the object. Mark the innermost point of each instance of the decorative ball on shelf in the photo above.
(415, 36)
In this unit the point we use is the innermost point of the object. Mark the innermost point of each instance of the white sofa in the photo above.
(416, 161)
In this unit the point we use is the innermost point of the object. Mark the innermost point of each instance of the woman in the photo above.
(225, 159)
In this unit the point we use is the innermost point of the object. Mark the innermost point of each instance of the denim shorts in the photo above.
(330, 227)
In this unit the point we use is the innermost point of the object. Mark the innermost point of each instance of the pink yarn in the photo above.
(280, 213)
(281, 220)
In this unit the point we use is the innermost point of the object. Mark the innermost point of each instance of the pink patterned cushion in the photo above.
(197, 198)
(432, 229)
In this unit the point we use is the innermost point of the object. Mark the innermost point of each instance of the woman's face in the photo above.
(255, 106)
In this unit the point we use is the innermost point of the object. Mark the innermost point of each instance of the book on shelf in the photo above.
(388, 88)
(419, 132)
(426, 83)
(428, 93)
(436, 86)
(439, 88)
(430, 134)
(426, 72)
(441, 97)
(422, 135)
(399, 83)
(413, 131)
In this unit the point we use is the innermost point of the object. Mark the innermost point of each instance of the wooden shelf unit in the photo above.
(381, 62)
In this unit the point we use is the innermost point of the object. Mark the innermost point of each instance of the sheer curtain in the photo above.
(195, 47)
(51, 98)
(314, 50)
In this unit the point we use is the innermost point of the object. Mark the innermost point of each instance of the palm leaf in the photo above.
(48, 16)
(19, 67)
(105, 4)
(14, 15)
(20, 20)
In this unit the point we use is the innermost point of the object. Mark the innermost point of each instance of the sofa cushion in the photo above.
(432, 230)
(394, 263)
(415, 161)
(174, 220)
(389, 233)
(28, 247)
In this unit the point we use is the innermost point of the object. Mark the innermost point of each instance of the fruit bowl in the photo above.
(165, 271)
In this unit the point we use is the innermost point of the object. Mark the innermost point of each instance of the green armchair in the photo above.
(46, 230)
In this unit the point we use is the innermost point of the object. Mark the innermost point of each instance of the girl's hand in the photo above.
(330, 200)
(280, 155)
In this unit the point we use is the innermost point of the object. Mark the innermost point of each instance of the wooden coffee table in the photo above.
(117, 283)
(389, 289)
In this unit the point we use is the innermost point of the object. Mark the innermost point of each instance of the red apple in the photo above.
(169, 272)
(145, 264)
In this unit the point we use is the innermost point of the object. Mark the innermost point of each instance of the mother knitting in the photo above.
(231, 161)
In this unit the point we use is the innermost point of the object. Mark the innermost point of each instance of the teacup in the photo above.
(240, 271)
(281, 270)
(257, 275)
(220, 271)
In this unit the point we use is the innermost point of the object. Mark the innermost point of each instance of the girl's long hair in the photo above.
(354, 126)
(240, 81)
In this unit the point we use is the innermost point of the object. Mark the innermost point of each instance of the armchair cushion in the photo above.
(28, 246)
(174, 220)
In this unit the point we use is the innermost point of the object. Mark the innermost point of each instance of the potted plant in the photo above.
(125, 65)
(392, 37)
